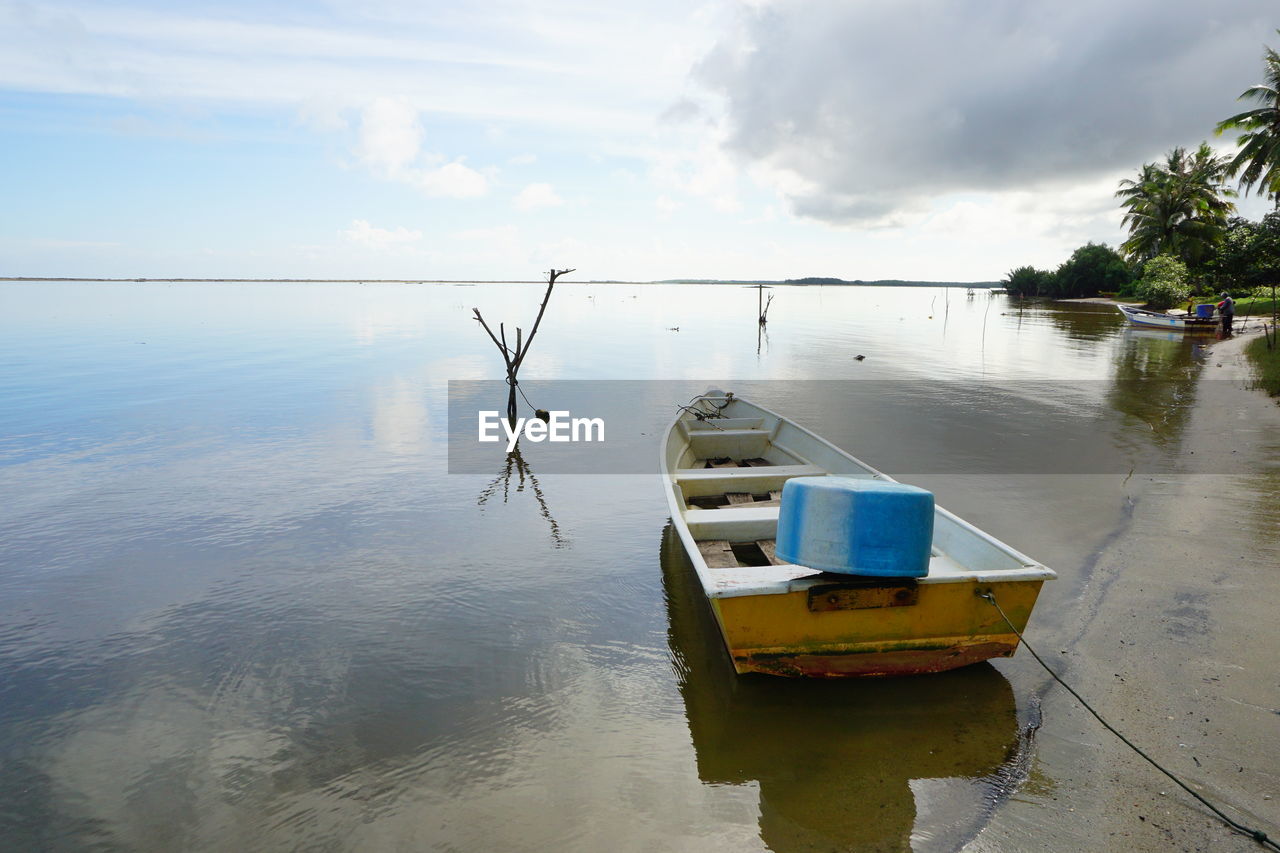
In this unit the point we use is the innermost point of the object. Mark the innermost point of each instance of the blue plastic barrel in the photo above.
(1205, 311)
(856, 526)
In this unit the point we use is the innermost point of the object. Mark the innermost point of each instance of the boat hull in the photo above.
(1158, 323)
(725, 474)
(948, 626)
(1153, 320)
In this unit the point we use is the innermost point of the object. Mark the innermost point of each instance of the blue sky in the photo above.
(388, 139)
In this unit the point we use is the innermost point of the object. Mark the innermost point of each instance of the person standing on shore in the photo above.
(1227, 309)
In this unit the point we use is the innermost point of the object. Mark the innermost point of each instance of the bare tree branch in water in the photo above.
(515, 464)
(513, 358)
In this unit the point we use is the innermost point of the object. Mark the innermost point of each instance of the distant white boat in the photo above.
(1156, 320)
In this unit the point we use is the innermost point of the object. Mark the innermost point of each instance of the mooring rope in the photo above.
(516, 385)
(700, 415)
(705, 416)
(1256, 834)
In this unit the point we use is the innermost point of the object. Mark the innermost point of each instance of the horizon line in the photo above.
(803, 282)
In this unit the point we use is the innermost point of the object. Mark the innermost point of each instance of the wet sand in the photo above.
(1175, 640)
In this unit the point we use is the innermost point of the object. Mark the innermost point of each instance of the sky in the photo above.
(944, 140)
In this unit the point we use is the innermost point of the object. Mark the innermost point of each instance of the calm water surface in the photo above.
(244, 605)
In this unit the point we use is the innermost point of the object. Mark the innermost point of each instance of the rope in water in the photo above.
(516, 384)
(1256, 834)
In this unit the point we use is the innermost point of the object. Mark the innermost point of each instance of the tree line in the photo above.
(1184, 238)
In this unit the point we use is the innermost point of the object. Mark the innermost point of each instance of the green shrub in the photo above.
(1163, 282)
(1091, 269)
(1029, 281)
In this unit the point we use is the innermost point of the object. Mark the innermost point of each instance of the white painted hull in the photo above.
(1154, 320)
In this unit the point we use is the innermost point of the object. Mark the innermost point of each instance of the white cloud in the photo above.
(569, 63)
(452, 180)
(390, 136)
(768, 215)
(1076, 212)
(876, 108)
(535, 196)
(381, 239)
(389, 143)
(702, 169)
(523, 159)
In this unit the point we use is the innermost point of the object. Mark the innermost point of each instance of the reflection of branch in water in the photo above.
(762, 337)
(515, 464)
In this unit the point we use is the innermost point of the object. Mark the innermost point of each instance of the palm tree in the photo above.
(1179, 207)
(1258, 160)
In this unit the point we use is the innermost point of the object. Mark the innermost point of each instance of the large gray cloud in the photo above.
(876, 104)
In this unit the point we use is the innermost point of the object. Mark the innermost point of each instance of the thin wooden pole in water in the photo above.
(984, 336)
(984, 326)
(762, 307)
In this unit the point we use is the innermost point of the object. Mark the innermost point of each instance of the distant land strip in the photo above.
(795, 282)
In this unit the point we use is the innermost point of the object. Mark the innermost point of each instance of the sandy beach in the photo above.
(1174, 641)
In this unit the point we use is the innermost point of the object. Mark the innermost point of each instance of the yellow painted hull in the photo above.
(949, 626)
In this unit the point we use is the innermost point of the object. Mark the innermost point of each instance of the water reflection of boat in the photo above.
(725, 463)
(1154, 382)
(1152, 334)
(839, 764)
(1177, 322)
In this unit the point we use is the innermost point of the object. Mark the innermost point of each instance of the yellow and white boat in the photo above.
(725, 463)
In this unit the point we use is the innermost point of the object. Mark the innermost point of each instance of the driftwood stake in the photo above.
(513, 359)
(762, 307)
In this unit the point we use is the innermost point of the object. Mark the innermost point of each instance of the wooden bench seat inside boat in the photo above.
(698, 482)
(723, 462)
(739, 523)
(723, 554)
(772, 497)
(721, 424)
(734, 443)
(709, 472)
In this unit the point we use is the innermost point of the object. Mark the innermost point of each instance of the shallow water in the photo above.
(244, 604)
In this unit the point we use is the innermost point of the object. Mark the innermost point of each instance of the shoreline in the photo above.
(1173, 641)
